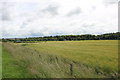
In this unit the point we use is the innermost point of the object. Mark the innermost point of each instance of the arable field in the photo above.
(102, 54)
(64, 59)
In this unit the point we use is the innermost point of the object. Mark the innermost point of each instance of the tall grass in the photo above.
(100, 54)
(22, 62)
(62, 59)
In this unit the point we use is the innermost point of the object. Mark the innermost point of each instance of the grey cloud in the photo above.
(52, 9)
(74, 12)
(88, 25)
(23, 25)
(5, 11)
(93, 7)
(110, 2)
(5, 16)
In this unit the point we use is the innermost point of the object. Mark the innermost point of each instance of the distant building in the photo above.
(18, 41)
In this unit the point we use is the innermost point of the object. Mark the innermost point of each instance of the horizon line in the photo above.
(57, 35)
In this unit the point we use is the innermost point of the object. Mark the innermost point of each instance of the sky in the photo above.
(35, 18)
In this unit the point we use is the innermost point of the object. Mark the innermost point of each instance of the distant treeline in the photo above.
(108, 36)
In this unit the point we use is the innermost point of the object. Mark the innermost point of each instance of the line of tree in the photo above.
(108, 36)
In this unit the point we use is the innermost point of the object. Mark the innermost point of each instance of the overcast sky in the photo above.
(32, 18)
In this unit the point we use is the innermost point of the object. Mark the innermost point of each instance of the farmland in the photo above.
(61, 59)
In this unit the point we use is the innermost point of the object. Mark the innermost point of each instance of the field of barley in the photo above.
(61, 59)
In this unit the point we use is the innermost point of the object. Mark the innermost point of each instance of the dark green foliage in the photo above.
(108, 36)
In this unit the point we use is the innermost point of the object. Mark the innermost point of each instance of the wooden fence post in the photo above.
(71, 69)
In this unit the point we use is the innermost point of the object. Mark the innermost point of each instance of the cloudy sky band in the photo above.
(58, 17)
